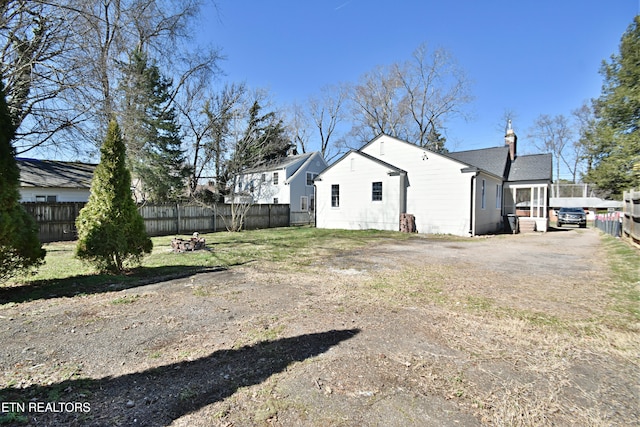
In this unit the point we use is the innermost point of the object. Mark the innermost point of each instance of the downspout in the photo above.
(315, 206)
(403, 195)
(472, 213)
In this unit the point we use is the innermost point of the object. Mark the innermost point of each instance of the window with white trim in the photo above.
(335, 195)
(275, 178)
(498, 196)
(304, 203)
(484, 195)
(310, 177)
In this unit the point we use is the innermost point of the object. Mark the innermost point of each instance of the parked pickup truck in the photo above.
(572, 216)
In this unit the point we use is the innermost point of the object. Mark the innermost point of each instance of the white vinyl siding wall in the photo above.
(355, 175)
(438, 193)
(489, 218)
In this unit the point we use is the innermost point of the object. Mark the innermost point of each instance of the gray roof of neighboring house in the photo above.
(55, 174)
(531, 167)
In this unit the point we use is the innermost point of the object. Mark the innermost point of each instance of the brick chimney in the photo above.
(510, 140)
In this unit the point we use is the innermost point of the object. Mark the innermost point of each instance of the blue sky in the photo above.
(531, 57)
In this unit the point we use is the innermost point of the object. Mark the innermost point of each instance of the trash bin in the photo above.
(511, 223)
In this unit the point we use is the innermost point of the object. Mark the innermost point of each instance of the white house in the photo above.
(54, 181)
(456, 193)
(288, 180)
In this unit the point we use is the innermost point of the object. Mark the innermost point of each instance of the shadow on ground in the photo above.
(97, 283)
(157, 396)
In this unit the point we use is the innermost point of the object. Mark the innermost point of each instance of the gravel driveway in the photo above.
(504, 330)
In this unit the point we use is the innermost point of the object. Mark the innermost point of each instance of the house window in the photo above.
(376, 191)
(335, 195)
(498, 196)
(304, 203)
(275, 200)
(275, 178)
(312, 203)
(48, 199)
(310, 177)
(484, 198)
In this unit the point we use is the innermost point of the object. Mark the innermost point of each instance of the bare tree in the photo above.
(377, 105)
(554, 135)
(435, 89)
(209, 123)
(410, 100)
(62, 59)
(586, 124)
(327, 111)
(35, 43)
(299, 127)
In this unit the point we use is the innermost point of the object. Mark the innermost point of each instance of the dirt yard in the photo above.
(509, 330)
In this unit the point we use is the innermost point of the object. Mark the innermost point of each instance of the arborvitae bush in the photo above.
(20, 247)
(111, 232)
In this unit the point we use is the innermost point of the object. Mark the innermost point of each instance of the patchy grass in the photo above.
(127, 299)
(64, 275)
(625, 265)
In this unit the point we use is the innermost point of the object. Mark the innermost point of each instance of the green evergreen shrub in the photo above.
(111, 232)
(20, 248)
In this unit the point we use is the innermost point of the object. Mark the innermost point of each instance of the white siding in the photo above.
(355, 175)
(291, 186)
(30, 194)
(489, 218)
(438, 193)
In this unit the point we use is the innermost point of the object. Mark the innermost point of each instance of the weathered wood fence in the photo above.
(56, 221)
(631, 219)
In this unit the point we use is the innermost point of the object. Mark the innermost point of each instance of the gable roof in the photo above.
(366, 156)
(307, 162)
(531, 167)
(492, 160)
(55, 174)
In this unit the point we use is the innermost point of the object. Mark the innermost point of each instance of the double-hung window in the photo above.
(376, 191)
(335, 195)
(310, 177)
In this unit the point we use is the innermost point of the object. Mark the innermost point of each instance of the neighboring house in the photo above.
(54, 181)
(464, 193)
(288, 181)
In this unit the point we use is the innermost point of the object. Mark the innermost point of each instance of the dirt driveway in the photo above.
(507, 330)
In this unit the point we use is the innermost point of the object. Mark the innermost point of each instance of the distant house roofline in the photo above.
(38, 173)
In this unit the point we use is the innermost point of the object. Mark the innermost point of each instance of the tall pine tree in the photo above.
(152, 131)
(614, 144)
(264, 140)
(111, 231)
(20, 248)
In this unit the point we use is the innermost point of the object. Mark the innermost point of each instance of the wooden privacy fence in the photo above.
(631, 220)
(56, 221)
